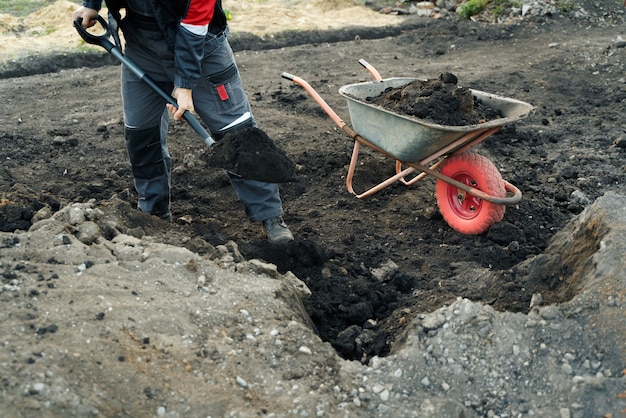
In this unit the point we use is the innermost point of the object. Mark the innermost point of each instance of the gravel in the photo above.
(96, 323)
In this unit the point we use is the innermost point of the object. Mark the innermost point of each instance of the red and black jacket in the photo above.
(185, 24)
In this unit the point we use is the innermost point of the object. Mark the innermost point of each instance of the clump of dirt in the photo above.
(439, 101)
(251, 154)
(20, 204)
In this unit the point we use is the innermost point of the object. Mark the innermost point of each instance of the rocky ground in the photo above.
(379, 307)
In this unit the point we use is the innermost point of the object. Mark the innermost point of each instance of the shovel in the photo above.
(268, 163)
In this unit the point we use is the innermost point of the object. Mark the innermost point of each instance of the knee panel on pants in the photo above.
(145, 153)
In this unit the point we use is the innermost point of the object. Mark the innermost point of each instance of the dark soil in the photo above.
(438, 100)
(61, 141)
(251, 154)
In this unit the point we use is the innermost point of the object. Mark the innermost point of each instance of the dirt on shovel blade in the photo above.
(251, 154)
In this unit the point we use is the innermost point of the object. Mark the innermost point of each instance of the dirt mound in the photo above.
(8, 23)
(50, 28)
(251, 154)
(439, 100)
(44, 31)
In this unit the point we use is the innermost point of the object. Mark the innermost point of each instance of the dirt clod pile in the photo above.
(251, 154)
(440, 100)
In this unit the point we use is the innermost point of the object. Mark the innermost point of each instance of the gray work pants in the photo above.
(146, 119)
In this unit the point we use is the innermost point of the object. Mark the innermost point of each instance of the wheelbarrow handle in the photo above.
(320, 101)
(287, 76)
(370, 68)
(105, 42)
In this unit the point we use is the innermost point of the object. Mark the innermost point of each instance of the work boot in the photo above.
(277, 231)
(167, 217)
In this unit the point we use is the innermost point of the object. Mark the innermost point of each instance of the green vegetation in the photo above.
(473, 7)
(48, 30)
(502, 6)
(497, 7)
(565, 6)
(21, 8)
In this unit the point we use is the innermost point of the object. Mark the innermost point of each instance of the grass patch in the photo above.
(497, 7)
(565, 6)
(472, 8)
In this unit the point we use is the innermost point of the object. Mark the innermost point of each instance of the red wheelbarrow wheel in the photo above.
(464, 212)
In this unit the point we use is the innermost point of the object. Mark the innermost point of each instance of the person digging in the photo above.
(182, 45)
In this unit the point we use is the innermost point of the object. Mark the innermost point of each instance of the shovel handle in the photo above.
(191, 120)
(104, 41)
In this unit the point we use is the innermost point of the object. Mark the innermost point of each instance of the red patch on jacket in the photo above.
(200, 12)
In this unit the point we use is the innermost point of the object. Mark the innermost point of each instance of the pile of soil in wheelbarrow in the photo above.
(439, 101)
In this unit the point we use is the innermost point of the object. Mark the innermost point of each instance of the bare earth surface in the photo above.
(372, 265)
(50, 29)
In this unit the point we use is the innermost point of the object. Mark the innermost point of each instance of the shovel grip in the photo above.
(90, 38)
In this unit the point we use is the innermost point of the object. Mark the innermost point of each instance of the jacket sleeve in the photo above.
(188, 54)
(189, 44)
(93, 4)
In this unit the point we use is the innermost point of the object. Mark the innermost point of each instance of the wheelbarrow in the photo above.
(471, 194)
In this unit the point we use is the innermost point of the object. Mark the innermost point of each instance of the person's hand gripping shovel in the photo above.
(248, 153)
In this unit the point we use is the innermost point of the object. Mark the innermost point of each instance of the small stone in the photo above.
(566, 368)
(433, 321)
(384, 395)
(620, 142)
(536, 300)
(201, 281)
(326, 273)
(241, 382)
(76, 215)
(58, 141)
(385, 270)
(549, 312)
(579, 197)
(261, 267)
(184, 220)
(88, 232)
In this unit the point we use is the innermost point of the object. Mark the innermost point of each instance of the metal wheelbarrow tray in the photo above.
(407, 138)
(471, 194)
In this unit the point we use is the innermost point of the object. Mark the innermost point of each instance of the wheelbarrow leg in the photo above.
(353, 161)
